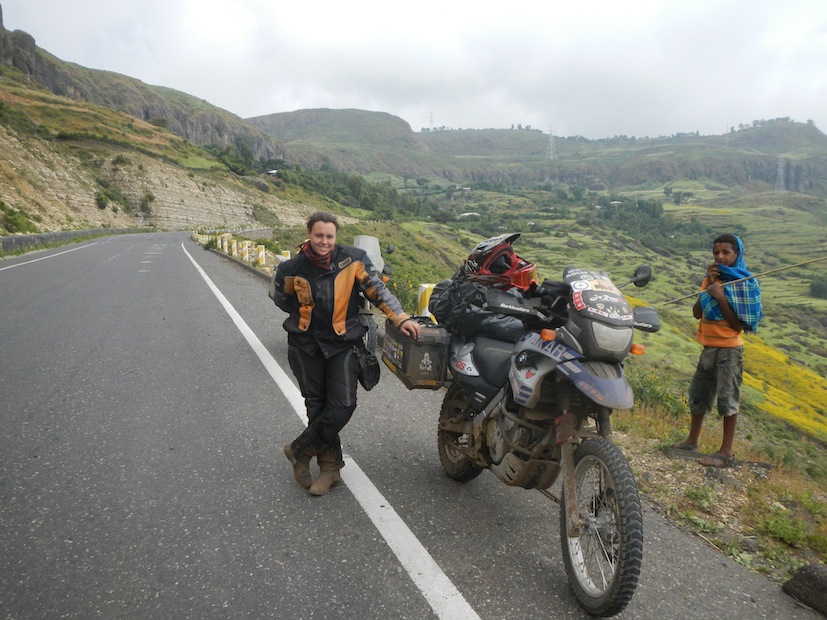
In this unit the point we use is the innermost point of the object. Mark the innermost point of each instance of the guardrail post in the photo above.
(422, 299)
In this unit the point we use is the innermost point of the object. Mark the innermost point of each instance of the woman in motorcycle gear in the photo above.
(320, 290)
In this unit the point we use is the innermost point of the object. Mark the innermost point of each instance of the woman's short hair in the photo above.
(322, 216)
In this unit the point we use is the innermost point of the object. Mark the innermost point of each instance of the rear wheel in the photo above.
(603, 561)
(455, 463)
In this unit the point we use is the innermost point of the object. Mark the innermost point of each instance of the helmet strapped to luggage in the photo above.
(494, 263)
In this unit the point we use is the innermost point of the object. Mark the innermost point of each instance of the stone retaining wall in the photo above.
(22, 242)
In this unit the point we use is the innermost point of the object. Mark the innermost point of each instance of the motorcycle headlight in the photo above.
(614, 339)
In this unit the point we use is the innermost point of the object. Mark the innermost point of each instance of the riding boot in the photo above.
(330, 462)
(301, 468)
(299, 453)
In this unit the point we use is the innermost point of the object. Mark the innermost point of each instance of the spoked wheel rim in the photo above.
(454, 406)
(452, 452)
(603, 560)
(594, 553)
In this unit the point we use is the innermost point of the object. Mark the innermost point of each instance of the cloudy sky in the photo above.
(594, 68)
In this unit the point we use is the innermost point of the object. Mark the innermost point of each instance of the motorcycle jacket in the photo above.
(324, 304)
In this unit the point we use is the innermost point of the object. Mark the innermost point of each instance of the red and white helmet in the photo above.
(494, 263)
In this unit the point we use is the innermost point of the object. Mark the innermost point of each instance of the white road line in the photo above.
(29, 262)
(441, 594)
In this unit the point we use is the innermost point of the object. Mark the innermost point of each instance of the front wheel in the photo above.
(603, 561)
(455, 463)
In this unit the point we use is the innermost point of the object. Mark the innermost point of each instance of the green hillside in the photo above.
(755, 157)
(69, 164)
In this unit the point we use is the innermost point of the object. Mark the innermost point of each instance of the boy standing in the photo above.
(724, 312)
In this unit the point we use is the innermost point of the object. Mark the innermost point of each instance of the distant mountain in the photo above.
(76, 153)
(353, 141)
(185, 115)
(762, 154)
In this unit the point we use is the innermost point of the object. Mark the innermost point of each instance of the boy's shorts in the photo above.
(718, 375)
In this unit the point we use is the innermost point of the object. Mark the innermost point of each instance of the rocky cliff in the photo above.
(185, 115)
(62, 189)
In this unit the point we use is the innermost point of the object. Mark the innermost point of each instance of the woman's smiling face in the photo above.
(322, 237)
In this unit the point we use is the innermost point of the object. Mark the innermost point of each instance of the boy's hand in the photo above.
(716, 290)
(712, 273)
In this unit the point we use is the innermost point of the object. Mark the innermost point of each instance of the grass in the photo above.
(704, 496)
(779, 510)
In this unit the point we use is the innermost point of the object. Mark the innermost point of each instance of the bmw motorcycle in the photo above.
(538, 410)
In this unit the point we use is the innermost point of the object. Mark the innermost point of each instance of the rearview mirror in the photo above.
(643, 275)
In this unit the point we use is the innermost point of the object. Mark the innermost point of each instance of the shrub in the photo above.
(703, 495)
(15, 221)
(146, 200)
(656, 390)
(818, 287)
(270, 245)
(784, 527)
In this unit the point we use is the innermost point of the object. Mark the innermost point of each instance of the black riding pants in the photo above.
(328, 385)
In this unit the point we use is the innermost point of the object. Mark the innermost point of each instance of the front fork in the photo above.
(567, 438)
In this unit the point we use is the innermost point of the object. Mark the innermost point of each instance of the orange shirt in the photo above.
(717, 333)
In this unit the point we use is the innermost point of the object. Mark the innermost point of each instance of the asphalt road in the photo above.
(143, 408)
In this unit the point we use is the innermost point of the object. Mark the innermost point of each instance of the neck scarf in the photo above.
(322, 262)
(743, 297)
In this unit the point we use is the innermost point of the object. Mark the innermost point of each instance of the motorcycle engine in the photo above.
(507, 431)
(520, 444)
(501, 434)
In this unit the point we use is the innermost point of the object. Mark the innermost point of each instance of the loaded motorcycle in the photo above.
(535, 406)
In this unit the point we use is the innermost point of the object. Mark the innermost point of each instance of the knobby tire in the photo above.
(603, 562)
(456, 465)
